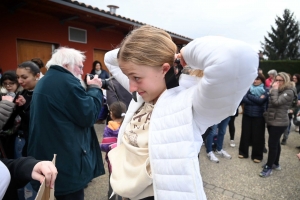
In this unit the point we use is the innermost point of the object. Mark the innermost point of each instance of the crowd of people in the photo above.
(162, 105)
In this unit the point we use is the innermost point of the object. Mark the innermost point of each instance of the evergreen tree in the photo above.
(284, 41)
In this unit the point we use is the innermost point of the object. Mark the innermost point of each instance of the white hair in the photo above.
(272, 72)
(66, 56)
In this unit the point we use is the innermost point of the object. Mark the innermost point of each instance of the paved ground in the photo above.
(235, 178)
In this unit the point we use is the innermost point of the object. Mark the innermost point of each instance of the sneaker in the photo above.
(223, 153)
(232, 144)
(267, 171)
(275, 167)
(212, 157)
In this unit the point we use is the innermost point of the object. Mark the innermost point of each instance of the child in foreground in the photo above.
(160, 137)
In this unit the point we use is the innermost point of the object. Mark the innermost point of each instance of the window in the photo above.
(77, 35)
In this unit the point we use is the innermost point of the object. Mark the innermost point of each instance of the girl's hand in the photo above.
(20, 101)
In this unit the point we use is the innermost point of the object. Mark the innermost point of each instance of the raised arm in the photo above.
(112, 64)
(230, 66)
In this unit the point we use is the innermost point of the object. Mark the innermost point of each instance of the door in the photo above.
(99, 55)
(31, 49)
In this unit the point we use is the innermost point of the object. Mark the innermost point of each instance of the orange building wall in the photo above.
(43, 28)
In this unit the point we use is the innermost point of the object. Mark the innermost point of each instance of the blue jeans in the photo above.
(220, 135)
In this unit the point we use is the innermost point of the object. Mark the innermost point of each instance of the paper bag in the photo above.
(45, 193)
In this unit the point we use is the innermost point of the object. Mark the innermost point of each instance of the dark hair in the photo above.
(33, 68)
(261, 77)
(117, 108)
(95, 63)
(38, 62)
(298, 77)
(9, 75)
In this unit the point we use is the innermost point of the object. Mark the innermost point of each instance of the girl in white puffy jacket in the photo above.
(160, 138)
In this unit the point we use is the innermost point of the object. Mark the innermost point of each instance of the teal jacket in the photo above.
(62, 117)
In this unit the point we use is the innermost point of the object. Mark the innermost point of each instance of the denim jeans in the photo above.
(219, 130)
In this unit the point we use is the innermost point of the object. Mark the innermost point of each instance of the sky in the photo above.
(246, 20)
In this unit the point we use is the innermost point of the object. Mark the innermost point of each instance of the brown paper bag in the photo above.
(45, 193)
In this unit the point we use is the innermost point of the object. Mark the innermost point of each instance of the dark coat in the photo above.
(20, 171)
(62, 122)
(103, 75)
(254, 106)
(116, 91)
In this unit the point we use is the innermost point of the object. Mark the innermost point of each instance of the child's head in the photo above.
(117, 110)
(9, 81)
(145, 56)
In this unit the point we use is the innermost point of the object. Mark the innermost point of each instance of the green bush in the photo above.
(288, 66)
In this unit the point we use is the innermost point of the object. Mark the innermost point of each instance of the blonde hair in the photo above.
(286, 80)
(148, 46)
(196, 72)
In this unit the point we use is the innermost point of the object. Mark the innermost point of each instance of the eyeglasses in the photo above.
(8, 84)
(278, 80)
(80, 67)
(257, 79)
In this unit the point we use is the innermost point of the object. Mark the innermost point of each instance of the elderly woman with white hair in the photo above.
(272, 74)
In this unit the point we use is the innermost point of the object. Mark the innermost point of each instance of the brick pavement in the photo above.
(235, 178)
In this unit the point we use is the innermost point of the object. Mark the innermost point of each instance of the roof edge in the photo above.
(100, 12)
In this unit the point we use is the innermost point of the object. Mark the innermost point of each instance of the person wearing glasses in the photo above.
(10, 87)
(280, 99)
(9, 83)
(28, 75)
(63, 113)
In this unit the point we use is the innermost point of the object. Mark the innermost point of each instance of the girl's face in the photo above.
(148, 82)
(26, 79)
(10, 86)
(98, 66)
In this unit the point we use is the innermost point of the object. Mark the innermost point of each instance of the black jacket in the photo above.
(254, 106)
(20, 171)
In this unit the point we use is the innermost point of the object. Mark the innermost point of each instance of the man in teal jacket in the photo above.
(62, 118)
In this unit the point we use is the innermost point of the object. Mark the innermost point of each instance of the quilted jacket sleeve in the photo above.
(6, 109)
(230, 67)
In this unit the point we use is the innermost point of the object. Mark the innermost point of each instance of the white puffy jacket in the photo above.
(182, 114)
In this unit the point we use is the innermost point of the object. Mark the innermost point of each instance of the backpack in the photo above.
(295, 99)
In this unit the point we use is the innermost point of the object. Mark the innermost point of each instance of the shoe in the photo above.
(265, 150)
(283, 142)
(232, 144)
(267, 171)
(298, 147)
(212, 157)
(241, 156)
(276, 167)
(256, 160)
(223, 153)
